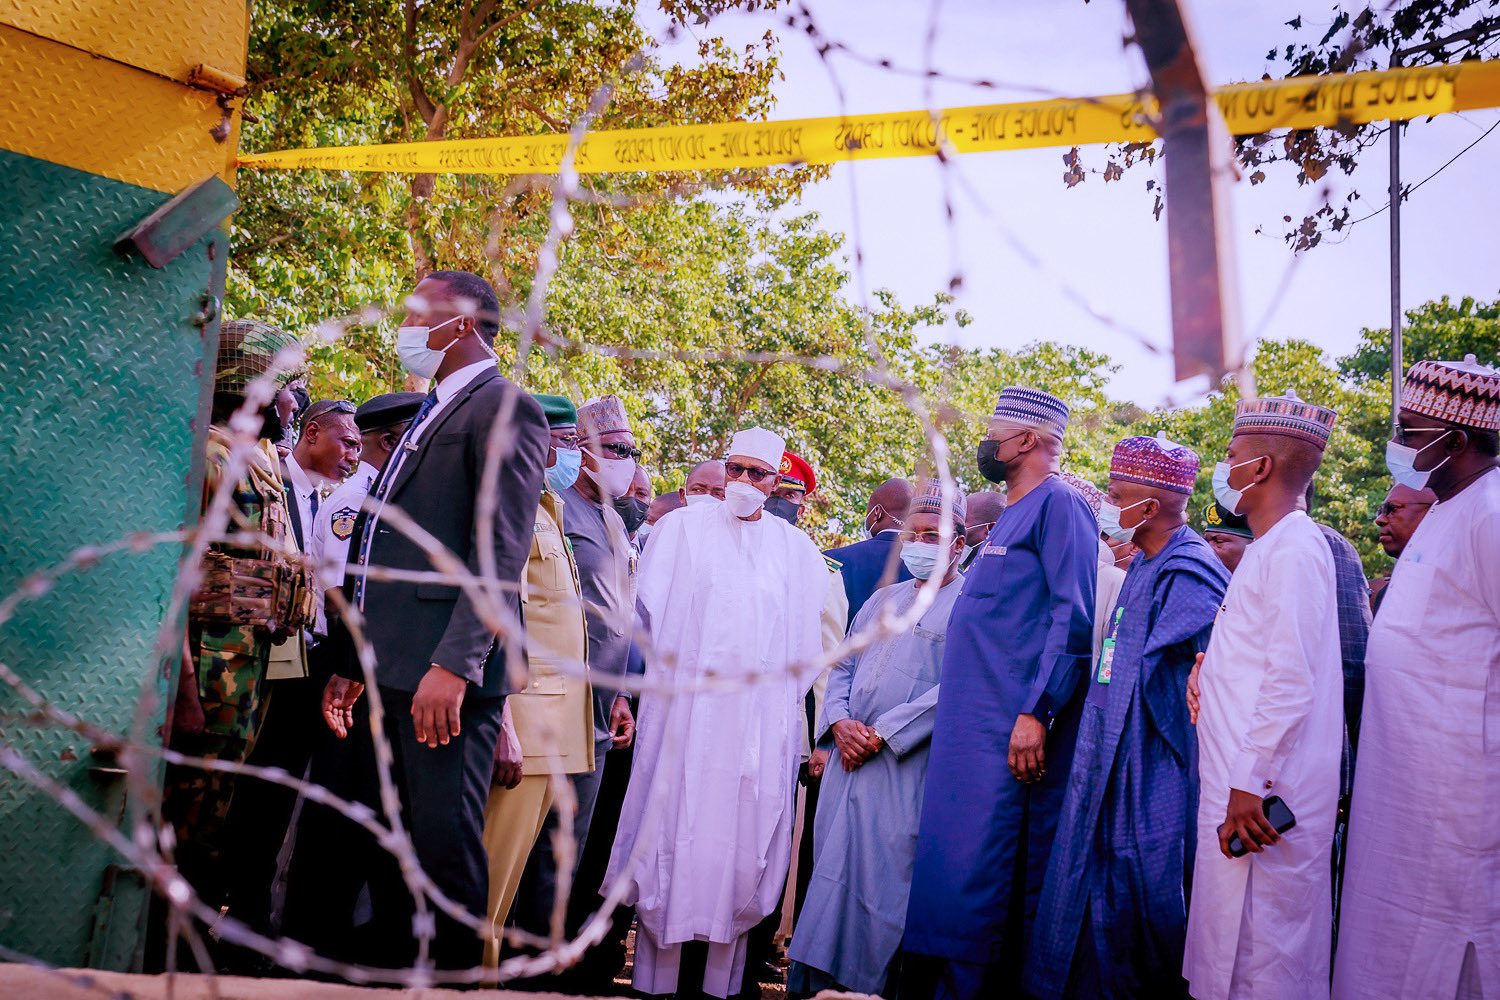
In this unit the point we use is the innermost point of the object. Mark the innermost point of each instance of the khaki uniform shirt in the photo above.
(553, 715)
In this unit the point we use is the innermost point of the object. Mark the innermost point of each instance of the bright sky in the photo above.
(1101, 238)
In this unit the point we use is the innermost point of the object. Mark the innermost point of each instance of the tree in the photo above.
(309, 245)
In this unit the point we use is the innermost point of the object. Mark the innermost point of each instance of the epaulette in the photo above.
(834, 565)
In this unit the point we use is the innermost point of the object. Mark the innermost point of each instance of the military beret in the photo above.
(558, 409)
(387, 410)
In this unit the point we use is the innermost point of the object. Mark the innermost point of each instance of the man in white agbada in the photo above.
(1268, 702)
(1421, 910)
(727, 592)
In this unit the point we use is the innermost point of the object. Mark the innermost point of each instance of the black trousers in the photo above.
(443, 793)
(261, 811)
(333, 855)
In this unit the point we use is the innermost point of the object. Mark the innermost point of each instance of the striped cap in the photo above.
(1286, 415)
(1461, 392)
(1032, 408)
(930, 501)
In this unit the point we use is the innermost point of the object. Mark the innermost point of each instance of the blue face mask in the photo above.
(564, 472)
(1227, 496)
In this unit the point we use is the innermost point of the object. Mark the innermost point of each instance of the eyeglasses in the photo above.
(932, 537)
(1401, 432)
(1388, 508)
(567, 440)
(734, 470)
(325, 407)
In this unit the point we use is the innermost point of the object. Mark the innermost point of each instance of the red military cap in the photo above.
(797, 474)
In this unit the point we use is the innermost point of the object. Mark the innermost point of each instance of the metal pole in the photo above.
(1398, 370)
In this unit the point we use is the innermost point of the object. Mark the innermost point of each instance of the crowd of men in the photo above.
(1077, 746)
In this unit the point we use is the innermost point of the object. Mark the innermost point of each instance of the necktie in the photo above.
(382, 486)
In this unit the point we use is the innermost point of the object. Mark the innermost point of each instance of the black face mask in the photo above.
(270, 424)
(632, 511)
(991, 467)
(784, 509)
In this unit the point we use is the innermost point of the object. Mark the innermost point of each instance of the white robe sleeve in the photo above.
(1300, 581)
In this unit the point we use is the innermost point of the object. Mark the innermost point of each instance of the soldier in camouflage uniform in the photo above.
(250, 597)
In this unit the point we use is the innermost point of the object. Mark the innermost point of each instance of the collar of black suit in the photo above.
(434, 426)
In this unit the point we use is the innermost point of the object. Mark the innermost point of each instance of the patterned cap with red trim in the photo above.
(1461, 392)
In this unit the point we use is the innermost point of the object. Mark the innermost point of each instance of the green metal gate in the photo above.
(107, 110)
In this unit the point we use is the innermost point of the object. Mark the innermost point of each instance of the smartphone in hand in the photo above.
(1277, 812)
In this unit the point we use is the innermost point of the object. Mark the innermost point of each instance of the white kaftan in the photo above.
(705, 829)
(1271, 723)
(1422, 885)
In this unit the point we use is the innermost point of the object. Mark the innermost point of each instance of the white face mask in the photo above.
(614, 475)
(1227, 496)
(1401, 459)
(921, 558)
(419, 359)
(1109, 521)
(698, 499)
(743, 499)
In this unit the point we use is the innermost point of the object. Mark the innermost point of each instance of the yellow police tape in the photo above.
(1248, 108)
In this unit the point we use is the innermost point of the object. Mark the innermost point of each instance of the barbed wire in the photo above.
(147, 840)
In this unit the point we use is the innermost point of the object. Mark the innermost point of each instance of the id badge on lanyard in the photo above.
(1107, 651)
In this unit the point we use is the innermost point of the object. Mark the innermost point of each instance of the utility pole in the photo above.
(1198, 154)
(1398, 367)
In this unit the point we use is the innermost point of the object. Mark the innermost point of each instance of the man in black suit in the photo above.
(439, 661)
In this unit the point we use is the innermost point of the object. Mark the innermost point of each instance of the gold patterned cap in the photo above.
(1460, 392)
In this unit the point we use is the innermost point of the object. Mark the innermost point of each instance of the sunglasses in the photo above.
(620, 450)
(326, 407)
(755, 474)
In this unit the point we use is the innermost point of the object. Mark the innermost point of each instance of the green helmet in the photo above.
(246, 350)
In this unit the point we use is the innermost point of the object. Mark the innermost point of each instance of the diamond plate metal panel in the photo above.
(100, 364)
(61, 104)
(135, 32)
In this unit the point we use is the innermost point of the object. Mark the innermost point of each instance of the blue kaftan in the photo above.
(1019, 641)
(1125, 843)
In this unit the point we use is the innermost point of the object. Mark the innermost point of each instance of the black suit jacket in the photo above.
(412, 625)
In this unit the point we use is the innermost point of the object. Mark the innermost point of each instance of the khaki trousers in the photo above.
(512, 820)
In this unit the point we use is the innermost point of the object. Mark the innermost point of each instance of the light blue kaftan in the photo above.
(865, 836)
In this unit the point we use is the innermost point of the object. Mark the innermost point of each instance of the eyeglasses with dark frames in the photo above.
(734, 470)
(1388, 508)
(618, 450)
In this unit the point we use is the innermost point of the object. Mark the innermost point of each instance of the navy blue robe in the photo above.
(869, 565)
(1020, 641)
(1125, 844)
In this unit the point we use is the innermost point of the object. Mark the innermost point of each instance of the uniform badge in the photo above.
(343, 523)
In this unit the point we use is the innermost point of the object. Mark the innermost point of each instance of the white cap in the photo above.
(759, 443)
